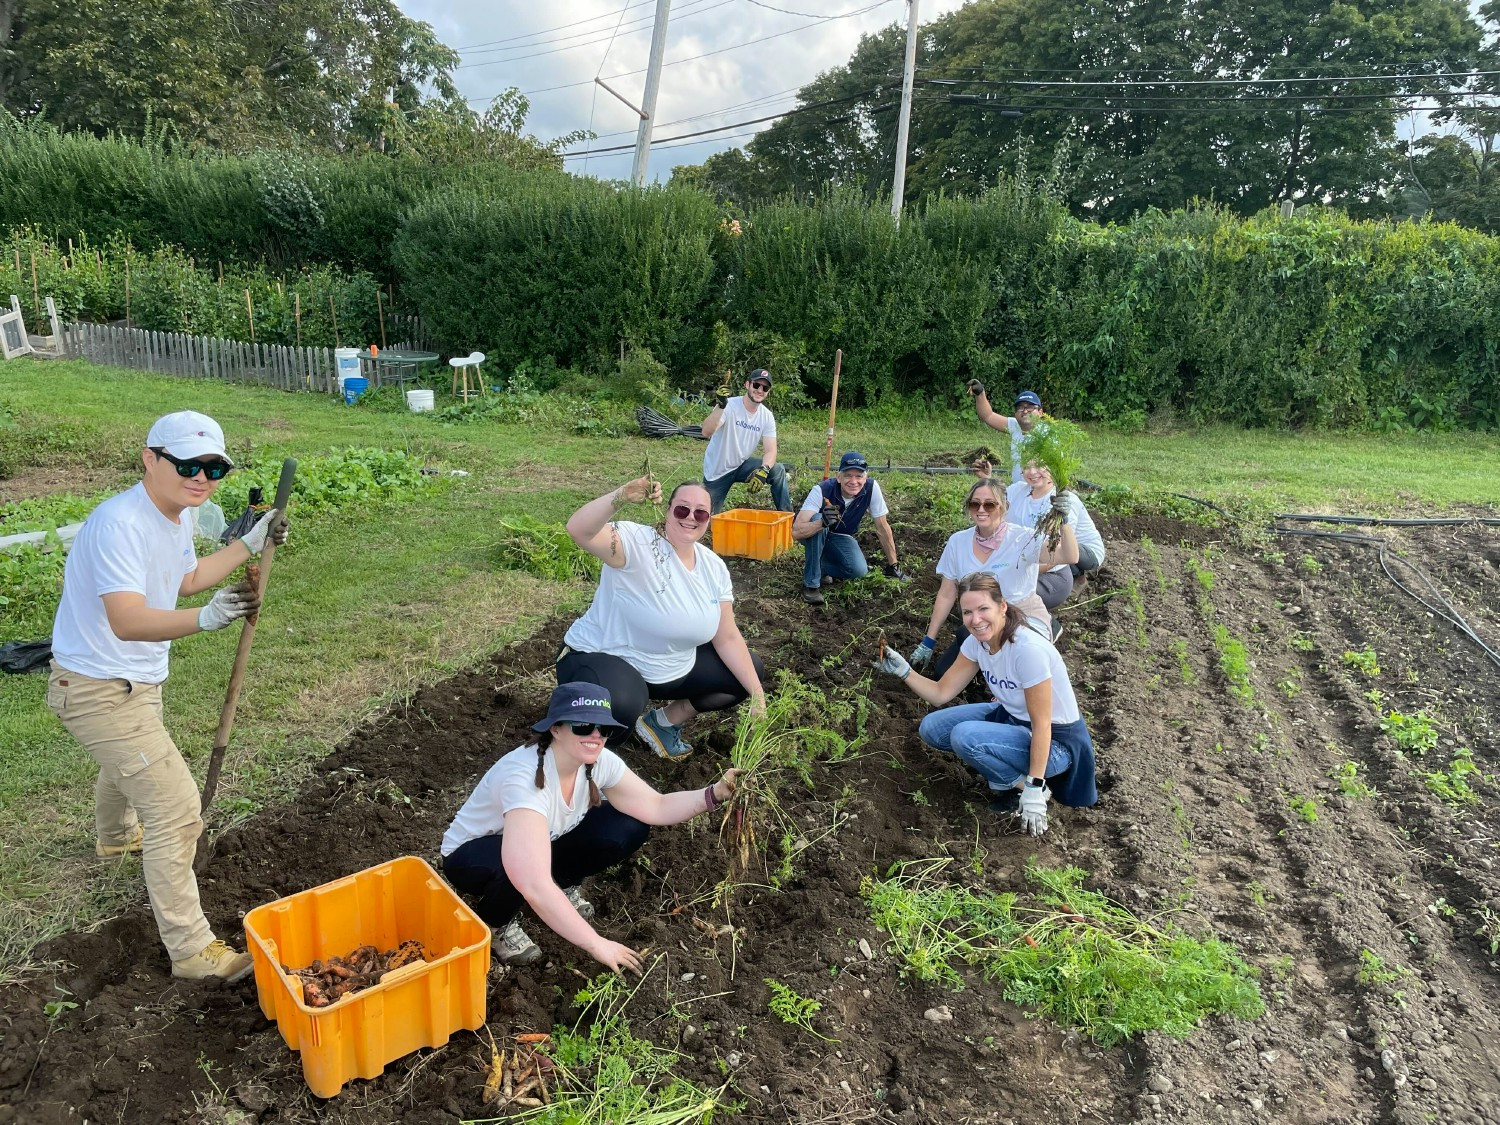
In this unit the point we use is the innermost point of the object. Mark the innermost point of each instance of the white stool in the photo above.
(462, 366)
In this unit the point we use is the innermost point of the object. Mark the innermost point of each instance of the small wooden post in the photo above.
(335, 315)
(36, 298)
(221, 275)
(250, 312)
(380, 312)
(18, 267)
(127, 288)
(99, 265)
(297, 308)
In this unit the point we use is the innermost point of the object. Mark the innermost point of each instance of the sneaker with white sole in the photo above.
(584, 907)
(653, 729)
(132, 846)
(215, 961)
(1057, 630)
(514, 946)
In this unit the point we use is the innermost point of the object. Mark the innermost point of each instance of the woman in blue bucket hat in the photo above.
(549, 814)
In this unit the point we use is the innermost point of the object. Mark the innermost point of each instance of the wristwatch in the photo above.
(1035, 782)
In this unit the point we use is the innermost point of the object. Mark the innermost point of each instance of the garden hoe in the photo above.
(241, 660)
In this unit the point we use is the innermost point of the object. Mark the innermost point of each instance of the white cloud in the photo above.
(694, 95)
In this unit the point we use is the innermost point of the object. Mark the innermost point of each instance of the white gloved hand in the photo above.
(255, 538)
(1034, 800)
(893, 664)
(228, 605)
(921, 656)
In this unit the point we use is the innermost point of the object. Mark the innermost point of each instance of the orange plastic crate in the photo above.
(752, 533)
(418, 1005)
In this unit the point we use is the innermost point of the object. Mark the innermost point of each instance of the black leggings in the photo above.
(708, 686)
(602, 839)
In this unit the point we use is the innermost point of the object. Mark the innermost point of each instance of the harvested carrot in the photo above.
(1031, 941)
(534, 1037)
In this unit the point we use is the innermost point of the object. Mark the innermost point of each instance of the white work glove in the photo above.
(921, 656)
(1034, 800)
(255, 538)
(227, 605)
(894, 664)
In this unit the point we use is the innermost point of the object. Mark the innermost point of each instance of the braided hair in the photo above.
(544, 740)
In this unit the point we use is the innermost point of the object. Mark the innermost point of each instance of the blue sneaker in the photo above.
(653, 729)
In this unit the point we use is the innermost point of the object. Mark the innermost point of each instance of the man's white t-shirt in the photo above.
(1026, 509)
(1013, 563)
(125, 546)
(734, 442)
(1017, 436)
(814, 502)
(511, 784)
(1025, 661)
(653, 612)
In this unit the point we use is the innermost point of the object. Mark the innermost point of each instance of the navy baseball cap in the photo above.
(759, 373)
(578, 702)
(853, 460)
(1030, 397)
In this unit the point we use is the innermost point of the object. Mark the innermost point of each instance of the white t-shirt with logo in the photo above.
(1017, 436)
(511, 784)
(1026, 509)
(125, 546)
(653, 612)
(1013, 563)
(734, 442)
(814, 502)
(1024, 661)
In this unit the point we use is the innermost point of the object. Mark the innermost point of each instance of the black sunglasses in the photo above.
(983, 505)
(583, 730)
(213, 470)
(682, 512)
(760, 386)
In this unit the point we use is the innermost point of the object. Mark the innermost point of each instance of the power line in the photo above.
(685, 14)
(549, 30)
(710, 113)
(1055, 84)
(706, 54)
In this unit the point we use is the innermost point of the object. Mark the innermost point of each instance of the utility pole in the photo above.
(898, 186)
(653, 81)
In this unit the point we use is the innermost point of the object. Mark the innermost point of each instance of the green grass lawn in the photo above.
(370, 602)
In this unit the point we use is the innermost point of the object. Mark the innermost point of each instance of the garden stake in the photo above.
(99, 265)
(380, 312)
(35, 297)
(334, 313)
(250, 312)
(297, 307)
(833, 405)
(241, 660)
(127, 288)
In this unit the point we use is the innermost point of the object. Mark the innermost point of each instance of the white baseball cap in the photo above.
(187, 435)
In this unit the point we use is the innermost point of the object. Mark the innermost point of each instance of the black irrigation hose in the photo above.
(1380, 521)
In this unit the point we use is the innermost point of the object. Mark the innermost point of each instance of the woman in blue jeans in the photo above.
(1031, 744)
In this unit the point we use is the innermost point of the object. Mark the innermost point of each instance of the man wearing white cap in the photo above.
(118, 616)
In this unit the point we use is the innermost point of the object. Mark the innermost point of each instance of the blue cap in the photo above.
(578, 702)
(853, 460)
(1030, 397)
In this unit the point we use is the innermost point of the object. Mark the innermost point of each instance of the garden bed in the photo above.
(1226, 804)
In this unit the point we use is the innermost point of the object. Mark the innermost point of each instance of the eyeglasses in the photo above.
(213, 470)
(760, 387)
(983, 505)
(583, 730)
(682, 512)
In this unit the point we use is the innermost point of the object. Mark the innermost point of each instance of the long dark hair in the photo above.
(985, 583)
(541, 742)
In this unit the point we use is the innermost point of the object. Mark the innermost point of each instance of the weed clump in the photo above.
(787, 1006)
(1069, 953)
(1416, 733)
(1234, 662)
(1452, 786)
(543, 549)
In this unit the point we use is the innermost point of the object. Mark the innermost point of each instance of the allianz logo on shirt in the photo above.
(589, 703)
(744, 425)
(996, 681)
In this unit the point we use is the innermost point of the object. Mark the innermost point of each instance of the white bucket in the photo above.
(346, 361)
(419, 401)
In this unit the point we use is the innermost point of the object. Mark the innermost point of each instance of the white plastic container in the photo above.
(346, 360)
(420, 401)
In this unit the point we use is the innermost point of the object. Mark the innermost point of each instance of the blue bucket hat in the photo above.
(578, 702)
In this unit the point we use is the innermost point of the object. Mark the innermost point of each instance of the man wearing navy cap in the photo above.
(1027, 410)
(830, 519)
(117, 619)
(734, 428)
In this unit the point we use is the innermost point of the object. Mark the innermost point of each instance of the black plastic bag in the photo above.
(245, 520)
(25, 656)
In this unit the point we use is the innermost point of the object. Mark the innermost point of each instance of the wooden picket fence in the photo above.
(205, 357)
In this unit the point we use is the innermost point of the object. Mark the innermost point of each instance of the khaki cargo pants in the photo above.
(142, 777)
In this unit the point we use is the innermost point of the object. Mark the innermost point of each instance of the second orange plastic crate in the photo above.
(419, 1005)
(752, 533)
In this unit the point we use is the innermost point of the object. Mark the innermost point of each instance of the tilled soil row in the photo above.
(1200, 792)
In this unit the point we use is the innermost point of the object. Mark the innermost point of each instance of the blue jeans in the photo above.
(999, 750)
(835, 554)
(781, 494)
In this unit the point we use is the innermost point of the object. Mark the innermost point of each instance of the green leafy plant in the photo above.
(1363, 661)
(1301, 642)
(1234, 662)
(1056, 444)
(1416, 732)
(1066, 952)
(350, 478)
(1305, 807)
(787, 1006)
(543, 549)
(1453, 785)
(1310, 564)
(30, 586)
(1138, 607)
(1179, 649)
(1351, 782)
(1373, 970)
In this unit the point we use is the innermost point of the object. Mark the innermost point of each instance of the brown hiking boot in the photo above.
(131, 846)
(216, 961)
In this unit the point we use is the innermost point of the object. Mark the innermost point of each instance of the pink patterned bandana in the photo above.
(992, 542)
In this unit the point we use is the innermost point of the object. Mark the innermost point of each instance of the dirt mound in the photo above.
(1373, 918)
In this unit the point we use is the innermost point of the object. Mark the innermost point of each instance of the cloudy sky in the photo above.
(753, 60)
